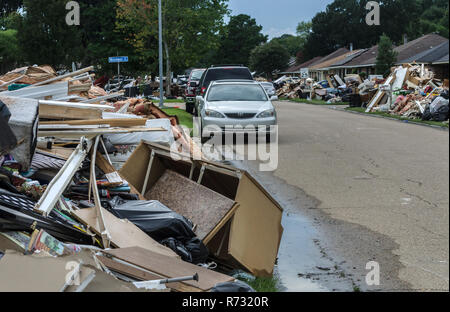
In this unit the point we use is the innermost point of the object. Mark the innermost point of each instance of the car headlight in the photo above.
(266, 114)
(213, 114)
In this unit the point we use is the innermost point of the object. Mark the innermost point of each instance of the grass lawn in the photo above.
(184, 117)
(261, 284)
(264, 284)
(433, 123)
(173, 101)
(313, 102)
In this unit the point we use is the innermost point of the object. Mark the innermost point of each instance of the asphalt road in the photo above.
(377, 189)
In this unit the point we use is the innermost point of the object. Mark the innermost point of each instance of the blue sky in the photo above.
(278, 17)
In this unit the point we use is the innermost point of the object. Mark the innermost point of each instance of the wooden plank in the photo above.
(170, 267)
(59, 151)
(123, 232)
(122, 122)
(95, 132)
(104, 232)
(201, 205)
(142, 275)
(256, 229)
(72, 74)
(61, 112)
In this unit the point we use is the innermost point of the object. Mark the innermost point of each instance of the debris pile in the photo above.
(332, 90)
(113, 186)
(410, 92)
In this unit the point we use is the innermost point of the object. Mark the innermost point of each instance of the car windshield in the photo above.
(236, 93)
(215, 74)
(196, 75)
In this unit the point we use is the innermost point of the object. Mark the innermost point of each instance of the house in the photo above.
(324, 68)
(297, 70)
(435, 58)
(427, 49)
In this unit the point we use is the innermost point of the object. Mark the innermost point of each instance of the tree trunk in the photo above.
(168, 75)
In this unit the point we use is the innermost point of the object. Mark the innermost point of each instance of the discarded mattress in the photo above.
(160, 137)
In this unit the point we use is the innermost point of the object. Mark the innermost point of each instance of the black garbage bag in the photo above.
(441, 114)
(178, 247)
(427, 114)
(4, 112)
(444, 94)
(8, 139)
(232, 287)
(152, 217)
(198, 250)
(193, 250)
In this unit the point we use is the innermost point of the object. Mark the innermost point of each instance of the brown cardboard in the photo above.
(255, 229)
(168, 267)
(123, 233)
(38, 273)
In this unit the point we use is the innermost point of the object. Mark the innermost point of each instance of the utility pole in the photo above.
(161, 80)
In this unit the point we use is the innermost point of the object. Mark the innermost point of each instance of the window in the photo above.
(236, 92)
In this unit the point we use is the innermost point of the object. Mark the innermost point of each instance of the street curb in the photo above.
(388, 118)
(320, 105)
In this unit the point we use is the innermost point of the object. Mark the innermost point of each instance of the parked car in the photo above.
(270, 89)
(221, 72)
(191, 89)
(231, 103)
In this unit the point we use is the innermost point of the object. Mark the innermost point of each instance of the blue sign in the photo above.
(118, 59)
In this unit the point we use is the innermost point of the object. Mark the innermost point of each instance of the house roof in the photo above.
(335, 54)
(336, 60)
(415, 47)
(363, 59)
(431, 55)
(427, 45)
(442, 60)
(296, 68)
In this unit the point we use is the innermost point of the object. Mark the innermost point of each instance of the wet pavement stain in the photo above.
(303, 265)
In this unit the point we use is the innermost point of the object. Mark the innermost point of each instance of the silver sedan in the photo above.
(237, 106)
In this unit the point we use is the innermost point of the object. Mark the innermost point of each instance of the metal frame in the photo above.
(58, 185)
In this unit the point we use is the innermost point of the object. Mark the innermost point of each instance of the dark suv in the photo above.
(191, 89)
(222, 72)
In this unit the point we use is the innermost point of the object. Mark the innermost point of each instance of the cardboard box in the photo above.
(251, 236)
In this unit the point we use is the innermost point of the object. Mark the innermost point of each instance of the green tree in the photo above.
(44, 36)
(292, 43)
(238, 39)
(9, 6)
(386, 57)
(9, 50)
(100, 38)
(343, 22)
(190, 29)
(269, 57)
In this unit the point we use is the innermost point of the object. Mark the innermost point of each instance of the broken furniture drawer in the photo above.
(244, 228)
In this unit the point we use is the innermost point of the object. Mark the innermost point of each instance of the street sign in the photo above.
(118, 59)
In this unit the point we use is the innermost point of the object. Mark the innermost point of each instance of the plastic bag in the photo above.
(178, 247)
(152, 217)
(232, 287)
(437, 104)
(193, 250)
(4, 112)
(198, 250)
(441, 114)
